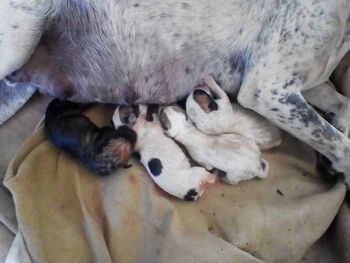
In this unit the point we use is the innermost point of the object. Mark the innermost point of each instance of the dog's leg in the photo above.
(21, 25)
(327, 99)
(287, 108)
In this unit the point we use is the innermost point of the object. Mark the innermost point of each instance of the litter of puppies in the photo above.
(215, 133)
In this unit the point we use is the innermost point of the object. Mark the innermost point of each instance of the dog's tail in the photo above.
(102, 150)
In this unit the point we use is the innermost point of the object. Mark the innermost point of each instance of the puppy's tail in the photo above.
(101, 150)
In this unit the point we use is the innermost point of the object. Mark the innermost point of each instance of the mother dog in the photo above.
(266, 52)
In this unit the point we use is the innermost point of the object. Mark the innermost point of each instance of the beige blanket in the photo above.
(67, 214)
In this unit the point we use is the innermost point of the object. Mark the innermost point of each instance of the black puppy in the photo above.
(101, 150)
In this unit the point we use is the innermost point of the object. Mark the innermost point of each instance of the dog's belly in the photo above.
(141, 54)
(89, 77)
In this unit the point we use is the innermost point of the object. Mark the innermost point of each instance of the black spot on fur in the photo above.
(275, 109)
(289, 83)
(274, 92)
(185, 5)
(191, 194)
(13, 5)
(14, 26)
(188, 70)
(294, 99)
(155, 166)
(136, 5)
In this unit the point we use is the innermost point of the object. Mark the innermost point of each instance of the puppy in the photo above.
(162, 157)
(218, 115)
(102, 150)
(234, 154)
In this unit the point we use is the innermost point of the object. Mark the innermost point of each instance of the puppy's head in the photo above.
(201, 105)
(173, 120)
(125, 115)
(203, 97)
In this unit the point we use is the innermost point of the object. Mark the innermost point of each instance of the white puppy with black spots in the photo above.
(218, 116)
(234, 154)
(162, 157)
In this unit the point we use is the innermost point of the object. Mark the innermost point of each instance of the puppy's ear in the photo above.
(213, 105)
(164, 121)
(206, 102)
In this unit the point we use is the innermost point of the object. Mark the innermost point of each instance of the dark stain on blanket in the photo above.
(211, 228)
(278, 191)
(132, 179)
(63, 207)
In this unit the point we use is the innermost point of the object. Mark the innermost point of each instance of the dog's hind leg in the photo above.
(21, 25)
(288, 109)
(327, 99)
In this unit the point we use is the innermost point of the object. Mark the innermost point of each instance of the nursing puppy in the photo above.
(101, 150)
(218, 115)
(162, 157)
(234, 154)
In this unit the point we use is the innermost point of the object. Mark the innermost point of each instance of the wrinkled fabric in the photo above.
(66, 213)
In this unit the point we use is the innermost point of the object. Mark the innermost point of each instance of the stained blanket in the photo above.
(66, 213)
